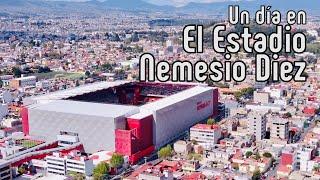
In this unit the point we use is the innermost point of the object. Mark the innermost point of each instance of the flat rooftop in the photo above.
(86, 108)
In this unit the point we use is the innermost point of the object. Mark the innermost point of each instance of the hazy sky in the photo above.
(180, 2)
(166, 2)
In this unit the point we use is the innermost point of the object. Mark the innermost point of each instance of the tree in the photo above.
(106, 67)
(244, 92)
(87, 73)
(248, 154)
(267, 155)
(195, 156)
(22, 170)
(116, 160)
(77, 83)
(288, 115)
(77, 176)
(211, 121)
(305, 74)
(16, 71)
(256, 175)
(257, 156)
(165, 152)
(101, 170)
(194, 142)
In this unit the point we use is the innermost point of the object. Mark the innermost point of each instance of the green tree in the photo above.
(194, 142)
(288, 115)
(16, 71)
(77, 176)
(77, 83)
(257, 156)
(316, 168)
(116, 160)
(165, 152)
(211, 121)
(267, 155)
(87, 73)
(244, 92)
(22, 170)
(101, 170)
(106, 67)
(305, 74)
(195, 156)
(256, 175)
(248, 154)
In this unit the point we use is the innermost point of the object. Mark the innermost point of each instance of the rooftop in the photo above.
(86, 108)
(26, 78)
(147, 109)
(175, 98)
(205, 127)
(74, 91)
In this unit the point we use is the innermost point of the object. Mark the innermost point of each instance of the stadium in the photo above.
(130, 118)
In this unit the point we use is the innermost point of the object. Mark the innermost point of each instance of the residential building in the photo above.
(257, 125)
(23, 82)
(56, 164)
(218, 155)
(304, 155)
(279, 128)
(73, 162)
(191, 166)
(5, 171)
(207, 134)
(182, 147)
(261, 97)
(154, 174)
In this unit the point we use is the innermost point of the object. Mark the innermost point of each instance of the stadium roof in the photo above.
(176, 98)
(86, 108)
(164, 102)
(75, 91)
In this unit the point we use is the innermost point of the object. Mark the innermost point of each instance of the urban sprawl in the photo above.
(73, 106)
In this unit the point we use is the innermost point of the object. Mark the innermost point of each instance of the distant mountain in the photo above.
(95, 6)
(131, 4)
(254, 5)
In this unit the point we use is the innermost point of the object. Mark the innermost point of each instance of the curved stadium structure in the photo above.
(130, 118)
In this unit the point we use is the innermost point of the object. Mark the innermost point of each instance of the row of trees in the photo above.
(244, 92)
(257, 155)
(16, 71)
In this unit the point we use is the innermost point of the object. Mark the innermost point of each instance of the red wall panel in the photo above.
(25, 120)
(137, 140)
(123, 142)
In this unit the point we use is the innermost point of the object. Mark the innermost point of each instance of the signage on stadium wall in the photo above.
(201, 105)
